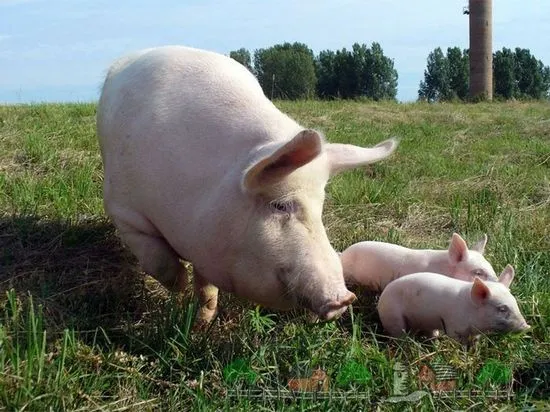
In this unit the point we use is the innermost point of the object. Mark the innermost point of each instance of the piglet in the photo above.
(375, 264)
(426, 302)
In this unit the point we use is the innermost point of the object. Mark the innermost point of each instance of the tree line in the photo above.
(293, 71)
(516, 75)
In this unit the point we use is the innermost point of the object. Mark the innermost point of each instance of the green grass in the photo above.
(81, 328)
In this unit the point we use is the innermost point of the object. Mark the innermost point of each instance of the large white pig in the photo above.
(428, 302)
(375, 264)
(200, 165)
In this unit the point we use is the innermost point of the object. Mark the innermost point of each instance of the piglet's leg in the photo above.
(394, 322)
(207, 295)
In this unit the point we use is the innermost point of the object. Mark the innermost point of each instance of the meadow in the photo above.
(82, 328)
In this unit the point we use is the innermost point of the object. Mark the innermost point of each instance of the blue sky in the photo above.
(59, 50)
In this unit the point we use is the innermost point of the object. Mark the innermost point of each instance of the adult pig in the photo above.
(375, 264)
(427, 302)
(200, 165)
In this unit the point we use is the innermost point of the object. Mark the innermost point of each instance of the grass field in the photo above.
(81, 328)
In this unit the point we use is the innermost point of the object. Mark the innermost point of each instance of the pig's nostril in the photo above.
(335, 308)
(349, 299)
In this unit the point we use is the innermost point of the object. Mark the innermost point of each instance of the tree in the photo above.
(435, 86)
(378, 76)
(360, 72)
(286, 71)
(459, 72)
(327, 80)
(520, 75)
(531, 75)
(504, 77)
(242, 56)
(346, 74)
(516, 74)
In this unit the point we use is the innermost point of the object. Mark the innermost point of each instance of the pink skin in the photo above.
(376, 264)
(201, 166)
(426, 302)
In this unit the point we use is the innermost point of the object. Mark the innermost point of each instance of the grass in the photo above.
(82, 328)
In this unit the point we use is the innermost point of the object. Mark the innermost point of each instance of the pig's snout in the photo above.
(333, 309)
(523, 327)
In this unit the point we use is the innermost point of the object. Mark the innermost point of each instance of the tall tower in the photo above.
(481, 48)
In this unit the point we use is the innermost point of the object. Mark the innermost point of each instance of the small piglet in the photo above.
(375, 264)
(427, 302)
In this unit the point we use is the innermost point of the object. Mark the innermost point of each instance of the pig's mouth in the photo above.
(330, 310)
(327, 310)
(334, 309)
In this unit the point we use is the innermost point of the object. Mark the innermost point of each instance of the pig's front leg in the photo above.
(461, 335)
(394, 322)
(155, 255)
(207, 295)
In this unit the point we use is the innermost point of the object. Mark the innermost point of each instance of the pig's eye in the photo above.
(282, 207)
(503, 309)
(479, 273)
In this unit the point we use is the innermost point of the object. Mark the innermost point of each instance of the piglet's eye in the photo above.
(503, 309)
(282, 207)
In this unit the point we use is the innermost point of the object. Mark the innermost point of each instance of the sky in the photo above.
(59, 50)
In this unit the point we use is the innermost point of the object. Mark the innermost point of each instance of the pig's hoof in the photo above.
(312, 317)
(203, 320)
(200, 326)
(206, 315)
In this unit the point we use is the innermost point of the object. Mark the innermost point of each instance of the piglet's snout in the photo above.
(333, 309)
(524, 327)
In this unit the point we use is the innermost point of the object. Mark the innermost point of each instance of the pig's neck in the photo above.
(428, 260)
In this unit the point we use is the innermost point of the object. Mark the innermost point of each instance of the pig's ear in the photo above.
(480, 245)
(480, 292)
(346, 156)
(458, 250)
(302, 149)
(507, 276)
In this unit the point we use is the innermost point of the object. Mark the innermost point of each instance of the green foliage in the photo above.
(361, 72)
(436, 84)
(517, 75)
(286, 71)
(531, 76)
(505, 85)
(459, 72)
(242, 56)
(260, 323)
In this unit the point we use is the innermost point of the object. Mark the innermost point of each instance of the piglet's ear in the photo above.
(480, 245)
(458, 250)
(346, 156)
(480, 292)
(507, 276)
(302, 149)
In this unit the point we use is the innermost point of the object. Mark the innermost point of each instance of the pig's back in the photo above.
(422, 295)
(174, 121)
(186, 102)
(374, 264)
